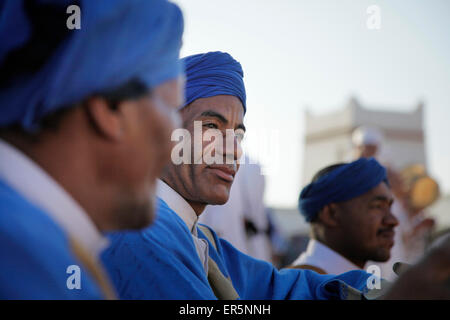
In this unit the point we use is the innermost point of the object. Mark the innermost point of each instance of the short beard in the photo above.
(381, 257)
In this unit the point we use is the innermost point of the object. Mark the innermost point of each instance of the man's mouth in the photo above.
(387, 235)
(225, 172)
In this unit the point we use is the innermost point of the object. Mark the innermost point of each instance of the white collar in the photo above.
(319, 255)
(184, 210)
(36, 185)
(178, 204)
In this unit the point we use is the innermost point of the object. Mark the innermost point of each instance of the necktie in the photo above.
(222, 286)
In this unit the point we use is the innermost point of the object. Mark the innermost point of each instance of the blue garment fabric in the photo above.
(212, 74)
(119, 41)
(161, 262)
(341, 184)
(35, 254)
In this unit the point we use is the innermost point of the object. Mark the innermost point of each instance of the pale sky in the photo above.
(316, 54)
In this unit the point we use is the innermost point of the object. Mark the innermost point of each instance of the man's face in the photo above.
(144, 151)
(210, 183)
(367, 151)
(367, 225)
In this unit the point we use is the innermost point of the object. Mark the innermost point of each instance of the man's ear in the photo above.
(329, 215)
(107, 122)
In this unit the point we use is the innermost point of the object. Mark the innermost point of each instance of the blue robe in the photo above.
(35, 254)
(161, 262)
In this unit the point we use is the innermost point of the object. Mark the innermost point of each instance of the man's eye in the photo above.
(379, 206)
(211, 125)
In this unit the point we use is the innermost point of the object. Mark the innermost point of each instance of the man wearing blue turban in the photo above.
(85, 123)
(178, 259)
(349, 208)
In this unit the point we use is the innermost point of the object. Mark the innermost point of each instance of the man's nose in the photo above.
(390, 219)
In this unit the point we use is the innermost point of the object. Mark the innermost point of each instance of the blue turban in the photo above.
(118, 41)
(341, 184)
(212, 74)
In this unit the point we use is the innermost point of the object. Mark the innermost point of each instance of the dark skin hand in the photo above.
(429, 279)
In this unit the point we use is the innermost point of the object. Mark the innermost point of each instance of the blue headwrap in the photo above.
(341, 184)
(212, 74)
(118, 41)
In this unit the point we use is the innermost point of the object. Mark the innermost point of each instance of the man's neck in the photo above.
(334, 245)
(198, 207)
(70, 173)
(51, 196)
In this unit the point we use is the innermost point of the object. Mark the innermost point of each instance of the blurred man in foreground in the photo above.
(349, 208)
(85, 123)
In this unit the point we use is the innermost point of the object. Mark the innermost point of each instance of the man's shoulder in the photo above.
(135, 260)
(20, 219)
(167, 218)
(34, 253)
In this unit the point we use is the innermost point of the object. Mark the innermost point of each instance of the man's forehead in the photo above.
(382, 190)
(226, 105)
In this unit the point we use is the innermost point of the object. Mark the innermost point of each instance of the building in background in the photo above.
(328, 138)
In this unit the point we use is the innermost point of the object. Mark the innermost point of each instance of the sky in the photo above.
(315, 55)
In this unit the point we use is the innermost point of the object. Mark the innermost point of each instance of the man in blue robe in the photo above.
(176, 258)
(85, 123)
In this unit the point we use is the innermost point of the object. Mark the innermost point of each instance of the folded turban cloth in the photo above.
(118, 41)
(212, 74)
(341, 184)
